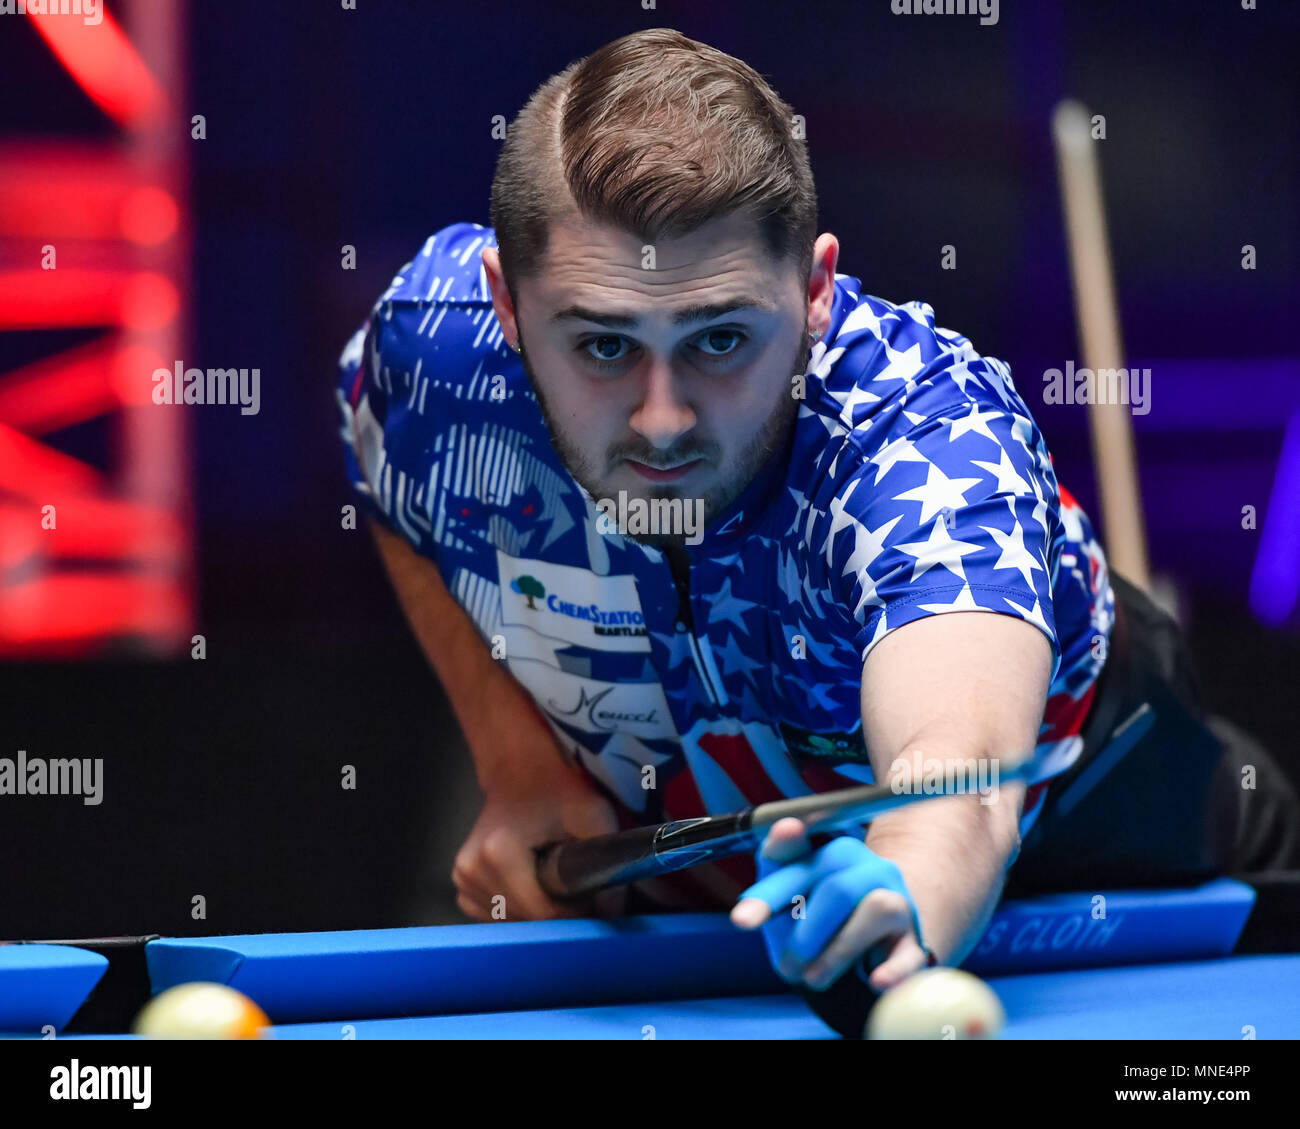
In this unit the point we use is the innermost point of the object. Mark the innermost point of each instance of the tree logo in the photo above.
(530, 588)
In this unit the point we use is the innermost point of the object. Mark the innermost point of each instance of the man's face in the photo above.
(671, 382)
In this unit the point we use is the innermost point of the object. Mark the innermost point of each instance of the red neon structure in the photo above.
(93, 557)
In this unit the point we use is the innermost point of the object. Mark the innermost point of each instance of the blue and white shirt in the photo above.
(916, 483)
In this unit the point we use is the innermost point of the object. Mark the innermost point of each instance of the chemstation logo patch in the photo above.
(604, 621)
(584, 608)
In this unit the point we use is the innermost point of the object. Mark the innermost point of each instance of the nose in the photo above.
(663, 416)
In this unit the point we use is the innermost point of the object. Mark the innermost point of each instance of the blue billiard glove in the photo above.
(834, 878)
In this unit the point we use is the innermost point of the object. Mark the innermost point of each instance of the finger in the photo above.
(472, 905)
(750, 913)
(511, 866)
(831, 905)
(779, 888)
(907, 957)
(873, 921)
(480, 879)
(787, 840)
(536, 905)
(534, 901)
(777, 926)
(782, 876)
(479, 895)
(776, 938)
(845, 877)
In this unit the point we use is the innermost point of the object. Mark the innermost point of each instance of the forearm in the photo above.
(950, 695)
(954, 854)
(495, 713)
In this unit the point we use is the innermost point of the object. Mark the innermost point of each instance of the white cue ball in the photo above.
(937, 1003)
(201, 1010)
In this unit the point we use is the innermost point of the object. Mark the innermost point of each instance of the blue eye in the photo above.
(731, 339)
(613, 350)
(609, 348)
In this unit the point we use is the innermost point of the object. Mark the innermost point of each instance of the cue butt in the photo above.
(1110, 424)
(575, 867)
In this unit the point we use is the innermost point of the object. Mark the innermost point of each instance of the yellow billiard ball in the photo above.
(201, 1011)
(937, 1003)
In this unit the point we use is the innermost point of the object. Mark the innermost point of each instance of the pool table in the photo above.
(1134, 965)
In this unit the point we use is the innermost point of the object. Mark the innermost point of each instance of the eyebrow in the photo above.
(687, 315)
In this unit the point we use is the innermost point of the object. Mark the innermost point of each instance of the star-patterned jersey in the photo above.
(915, 483)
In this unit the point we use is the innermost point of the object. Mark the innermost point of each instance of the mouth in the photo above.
(663, 474)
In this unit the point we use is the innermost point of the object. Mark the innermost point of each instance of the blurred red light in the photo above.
(149, 301)
(148, 215)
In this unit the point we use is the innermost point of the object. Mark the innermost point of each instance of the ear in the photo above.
(821, 282)
(502, 303)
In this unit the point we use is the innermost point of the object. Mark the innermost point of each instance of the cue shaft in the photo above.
(576, 867)
(832, 811)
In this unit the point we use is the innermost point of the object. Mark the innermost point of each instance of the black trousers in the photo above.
(1193, 798)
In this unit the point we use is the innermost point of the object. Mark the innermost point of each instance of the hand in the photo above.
(853, 901)
(537, 804)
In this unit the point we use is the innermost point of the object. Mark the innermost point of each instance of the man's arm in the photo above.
(953, 687)
(532, 795)
(495, 713)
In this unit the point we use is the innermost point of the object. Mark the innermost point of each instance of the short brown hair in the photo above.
(654, 134)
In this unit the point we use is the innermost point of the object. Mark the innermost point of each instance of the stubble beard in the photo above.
(771, 438)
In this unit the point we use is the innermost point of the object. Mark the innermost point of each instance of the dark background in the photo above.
(329, 127)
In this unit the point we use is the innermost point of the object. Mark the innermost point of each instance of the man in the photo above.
(685, 521)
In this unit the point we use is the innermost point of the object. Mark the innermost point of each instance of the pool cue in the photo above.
(575, 867)
(1110, 426)
(579, 866)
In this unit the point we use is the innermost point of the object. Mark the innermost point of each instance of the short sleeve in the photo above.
(958, 513)
(363, 404)
(421, 385)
